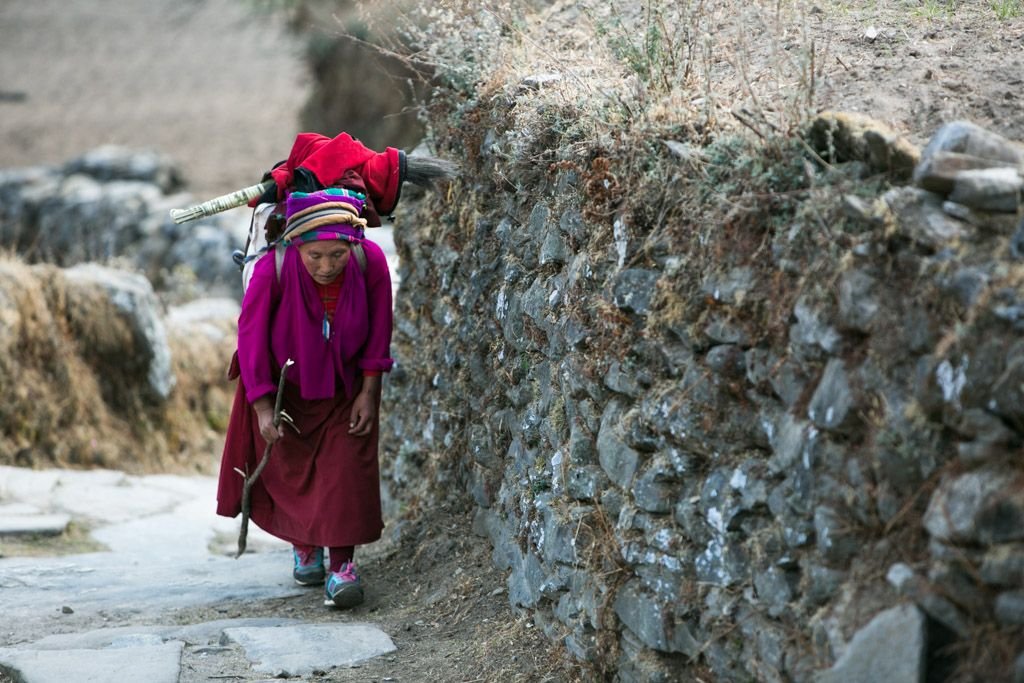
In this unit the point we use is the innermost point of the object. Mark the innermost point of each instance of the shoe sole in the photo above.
(349, 596)
(312, 581)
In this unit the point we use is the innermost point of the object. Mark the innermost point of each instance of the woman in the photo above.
(328, 309)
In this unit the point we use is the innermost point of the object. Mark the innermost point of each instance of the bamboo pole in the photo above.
(221, 203)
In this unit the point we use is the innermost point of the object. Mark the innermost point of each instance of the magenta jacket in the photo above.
(282, 320)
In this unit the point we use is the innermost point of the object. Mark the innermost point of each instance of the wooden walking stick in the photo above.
(279, 416)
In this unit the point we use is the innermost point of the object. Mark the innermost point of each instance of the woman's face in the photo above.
(325, 259)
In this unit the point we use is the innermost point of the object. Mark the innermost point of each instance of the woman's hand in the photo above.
(265, 416)
(364, 408)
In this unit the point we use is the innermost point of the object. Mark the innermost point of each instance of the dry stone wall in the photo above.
(747, 445)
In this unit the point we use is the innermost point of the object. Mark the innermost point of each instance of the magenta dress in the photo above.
(320, 487)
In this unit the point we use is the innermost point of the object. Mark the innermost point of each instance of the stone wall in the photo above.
(111, 205)
(726, 412)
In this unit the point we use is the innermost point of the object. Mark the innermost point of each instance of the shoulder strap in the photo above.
(357, 251)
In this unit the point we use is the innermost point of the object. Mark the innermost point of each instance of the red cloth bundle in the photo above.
(330, 158)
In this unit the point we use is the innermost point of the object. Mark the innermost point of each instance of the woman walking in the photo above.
(326, 305)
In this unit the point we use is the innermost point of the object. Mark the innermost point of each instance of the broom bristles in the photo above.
(427, 171)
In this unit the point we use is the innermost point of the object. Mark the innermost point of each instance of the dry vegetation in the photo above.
(70, 396)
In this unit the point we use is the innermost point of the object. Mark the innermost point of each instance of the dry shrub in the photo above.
(66, 379)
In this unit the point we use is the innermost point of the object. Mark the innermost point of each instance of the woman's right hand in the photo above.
(265, 416)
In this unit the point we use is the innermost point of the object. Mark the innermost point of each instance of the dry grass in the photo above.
(69, 394)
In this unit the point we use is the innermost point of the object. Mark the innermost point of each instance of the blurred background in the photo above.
(221, 86)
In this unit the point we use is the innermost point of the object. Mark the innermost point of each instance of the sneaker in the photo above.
(309, 567)
(344, 589)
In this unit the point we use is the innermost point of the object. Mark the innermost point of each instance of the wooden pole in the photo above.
(243, 532)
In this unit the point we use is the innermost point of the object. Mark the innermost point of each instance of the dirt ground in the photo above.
(929, 63)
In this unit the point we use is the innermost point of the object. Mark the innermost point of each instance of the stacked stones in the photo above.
(113, 203)
(685, 496)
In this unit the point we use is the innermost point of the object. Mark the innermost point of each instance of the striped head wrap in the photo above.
(324, 215)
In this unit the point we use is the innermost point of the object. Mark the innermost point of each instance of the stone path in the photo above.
(165, 550)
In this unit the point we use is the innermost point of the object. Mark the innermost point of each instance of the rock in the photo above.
(1003, 565)
(33, 524)
(571, 223)
(1006, 397)
(1010, 608)
(860, 210)
(622, 380)
(536, 81)
(212, 317)
(857, 304)
(811, 329)
(112, 162)
(553, 250)
(617, 459)
(289, 651)
(822, 583)
(151, 663)
(730, 287)
(566, 532)
(938, 172)
(921, 218)
(633, 289)
(723, 561)
(966, 285)
(133, 297)
(833, 405)
(1017, 242)
(656, 488)
(987, 437)
(985, 506)
(991, 189)
(774, 588)
(964, 137)
(584, 482)
(526, 579)
(891, 647)
(846, 136)
(653, 622)
(206, 251)
(836, 543)
(727, 361)
(723, 330)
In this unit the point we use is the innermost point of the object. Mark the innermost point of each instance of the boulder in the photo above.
(964, 137)
(130, 298)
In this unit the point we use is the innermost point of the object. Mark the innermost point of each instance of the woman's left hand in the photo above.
(363, 415)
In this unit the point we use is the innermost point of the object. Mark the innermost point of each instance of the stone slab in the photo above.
(130, 664)
(205, 633)
(891, 647)
(299, 650)
(40, 525)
